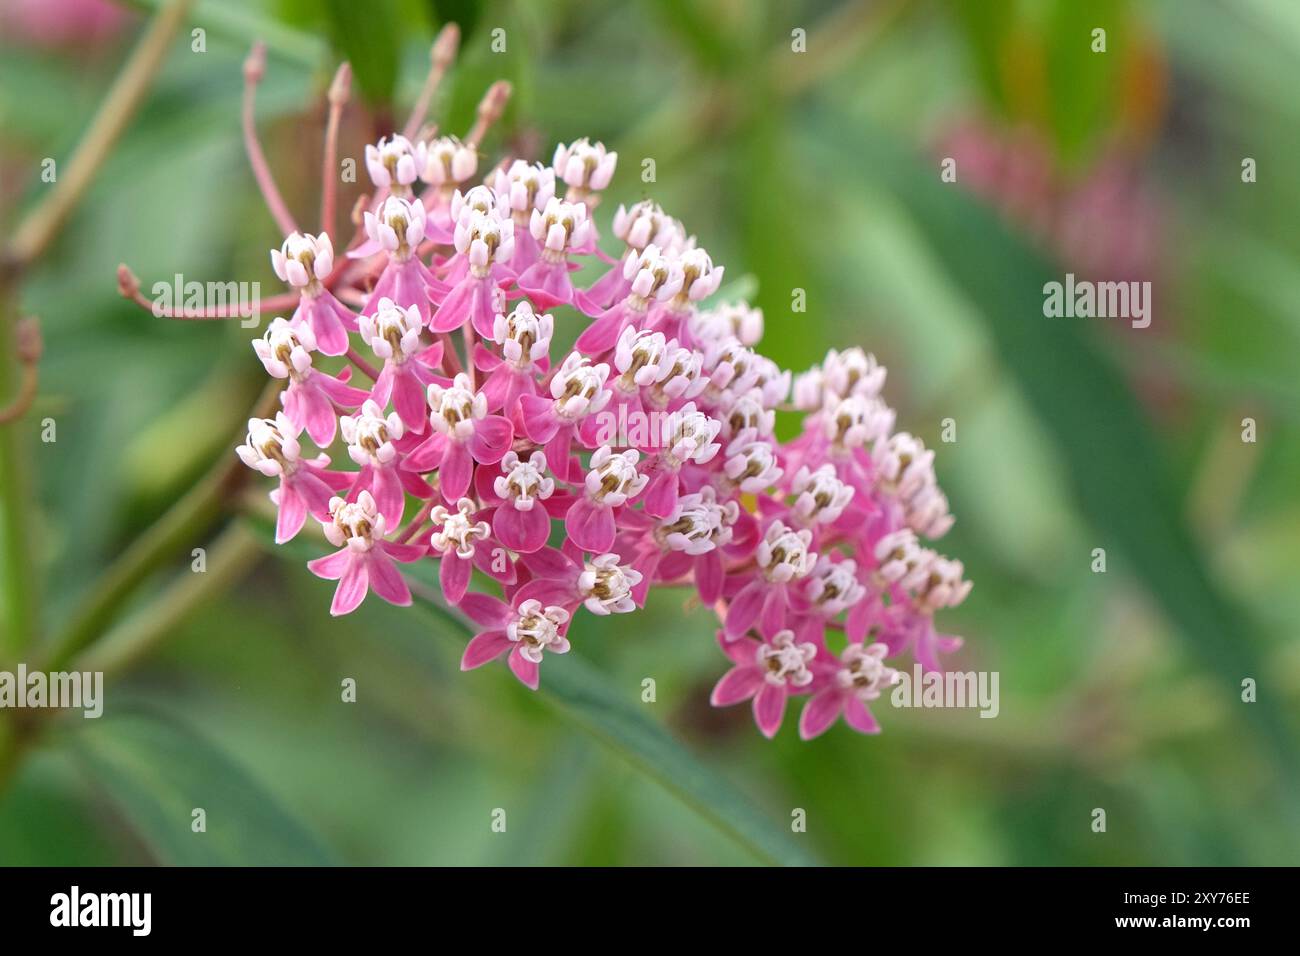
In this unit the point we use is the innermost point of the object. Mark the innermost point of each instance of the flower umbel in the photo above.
(645, 458)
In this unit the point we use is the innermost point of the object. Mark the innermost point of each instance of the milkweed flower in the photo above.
(366, 561)
(394, 164)
(306, 486)
(312, 397)
(647, 457)
(304, 261)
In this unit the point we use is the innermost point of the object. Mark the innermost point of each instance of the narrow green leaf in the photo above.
(1101, 431)
(367, 35)
(157, 772)
(583, 695)
(246, 25)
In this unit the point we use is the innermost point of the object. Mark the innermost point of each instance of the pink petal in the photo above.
(769, 708)
(709, 577)
(427, 455)
(482, 310)
(528, 673)
(453, 575)
(491, 439)
(455, 308)
(739, 683)
(540, 423)
(408, 399)
(744, 608)
(318, 414)
(337, 390)
(387, 489)
(330, 567)
(773, 614)
(562, 465)
(602, 335)
(456, 471)
(590, 525)
(403, 552)
(742, 651)
(608, 289)
(522, 531)
(386, 580)
(819, 713)
(859, 718)
(484, 647)
(496, 386)
(661, 494)
(547, 284)
(647, 563)
(382, 390)
(548, 591)
(293, 512)
(352, 587)
(485, 609)
(331, 336)
(550, 563)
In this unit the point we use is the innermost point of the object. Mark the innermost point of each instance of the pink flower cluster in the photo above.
(580, 479)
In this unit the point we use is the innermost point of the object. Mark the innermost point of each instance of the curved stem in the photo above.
(229, 556)
(36, 231)
(254, 67)
(181, 525)
(338, 97)
(18, 586)
(441, 56)
(490, 109)
(27, 349)
(364, 367)
(128, 286)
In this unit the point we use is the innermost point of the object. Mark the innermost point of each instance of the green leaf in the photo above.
(580, 693)
(1101, 432)
(584, 695)
(367, 35)
(237, 22)
(156, 772)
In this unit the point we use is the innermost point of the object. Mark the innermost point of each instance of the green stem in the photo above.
(229, 556)
(179, 529)
(39, 228)
(18, 562)
(181, 526)
(10, 749)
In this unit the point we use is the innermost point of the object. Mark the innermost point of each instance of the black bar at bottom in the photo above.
(337, 905)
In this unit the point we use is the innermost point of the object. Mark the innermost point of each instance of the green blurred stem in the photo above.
(17, 561)
(10, 749)
(38, 229)
(33, 236)
(229, 556)
(178, 530)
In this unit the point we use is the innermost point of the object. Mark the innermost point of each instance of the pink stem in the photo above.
(338, 97)
(470, 338)
(129, 287)
(254, 66)
(364, 367)
(490, 109)
(407, 533)
(441, 56)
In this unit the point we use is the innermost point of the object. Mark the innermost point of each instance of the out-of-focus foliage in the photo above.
(817, 171)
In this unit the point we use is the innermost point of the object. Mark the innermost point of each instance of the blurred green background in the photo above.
(817, 171)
